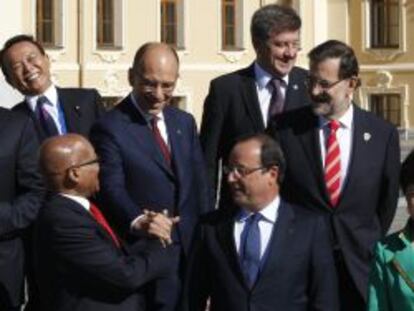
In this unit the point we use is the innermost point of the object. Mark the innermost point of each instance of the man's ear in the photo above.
(131, 77)
(73, 175)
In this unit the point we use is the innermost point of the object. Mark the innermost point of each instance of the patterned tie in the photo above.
(250, 249)
(160, 141)
(277, 100)
(100, 219)
(333, 164)
(44, 117)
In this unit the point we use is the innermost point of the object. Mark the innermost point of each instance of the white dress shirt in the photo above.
(81, 200)
(51, 107)
(266, 224)
(344, 137)
(264, 91)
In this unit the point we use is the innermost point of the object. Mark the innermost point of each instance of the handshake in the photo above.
(158, 225)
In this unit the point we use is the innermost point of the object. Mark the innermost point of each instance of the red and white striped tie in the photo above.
(333, 164)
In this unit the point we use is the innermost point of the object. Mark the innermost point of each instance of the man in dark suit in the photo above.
(20, 199)
(151, 159)
(242, 102)
(344, 162)
(81, 263)
(261, 253)
(54, 110)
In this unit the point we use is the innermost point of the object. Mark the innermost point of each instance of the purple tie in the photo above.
(44, 117)
(277, 100)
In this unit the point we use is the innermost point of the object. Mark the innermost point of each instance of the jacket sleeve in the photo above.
(19, 212)
(390, 182)
(377, 291)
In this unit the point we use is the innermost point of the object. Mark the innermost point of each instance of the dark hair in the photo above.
(348, 67)
(14, 40)
(139, 55)
(270, 152)
(273, 18)
(407, 172)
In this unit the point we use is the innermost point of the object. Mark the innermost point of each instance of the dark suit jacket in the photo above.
(369, 197)
(20, 199)
(232, 109)
(80, 268)
(298, 273)
(81, 107)
(134, 174)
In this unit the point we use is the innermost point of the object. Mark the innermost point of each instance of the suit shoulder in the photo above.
(300, 72)
(375, 120)
(233, 77)
(77, 90)
(303, 213)
(13, 117)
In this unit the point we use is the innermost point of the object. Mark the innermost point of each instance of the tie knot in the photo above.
(277, 82)
(154, 120)
(42, 100)
(255, 217)
(334, 125)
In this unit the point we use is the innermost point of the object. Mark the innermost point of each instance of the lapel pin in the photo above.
(179, 132)
(367, 136)
(295, 87)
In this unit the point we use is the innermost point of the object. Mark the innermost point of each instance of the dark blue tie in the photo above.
(250, 249)
(45, 119)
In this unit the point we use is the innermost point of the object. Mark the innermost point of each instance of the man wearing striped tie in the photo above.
(344, 162)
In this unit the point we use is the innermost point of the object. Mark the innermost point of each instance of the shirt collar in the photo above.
(263, 77)
(78, 199)
(345, 121)
(269, 212)
(148, 117)
(50, 94)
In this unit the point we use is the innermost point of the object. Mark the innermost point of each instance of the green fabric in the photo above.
(388, 290)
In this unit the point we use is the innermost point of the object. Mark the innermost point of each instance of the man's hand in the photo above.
(156, 224)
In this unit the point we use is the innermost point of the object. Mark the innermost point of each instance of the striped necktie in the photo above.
(333, 164)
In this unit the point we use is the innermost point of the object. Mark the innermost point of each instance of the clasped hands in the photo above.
(156, 224)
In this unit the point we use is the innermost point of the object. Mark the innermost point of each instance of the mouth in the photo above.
(31, 77)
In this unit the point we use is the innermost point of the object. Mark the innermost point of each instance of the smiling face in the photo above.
(331, 96)
(153, 79)
(277, 55)
(257, 188)
(28, 70)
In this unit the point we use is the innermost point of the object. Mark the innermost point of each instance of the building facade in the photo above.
(91, 43)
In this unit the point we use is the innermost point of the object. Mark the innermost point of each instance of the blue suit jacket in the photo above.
(134, 175)
(297, 274)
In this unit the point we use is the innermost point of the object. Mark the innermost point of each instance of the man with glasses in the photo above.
(81, 263)
(152, 159)
(260, 252)
(244, 101)
(344, 162)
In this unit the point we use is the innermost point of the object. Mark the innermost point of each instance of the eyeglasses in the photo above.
(241, 171)
(90, 162)
(323, 84)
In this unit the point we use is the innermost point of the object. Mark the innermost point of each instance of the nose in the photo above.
(27, 66)
(316, 89)
(159, 93)
(231, 177)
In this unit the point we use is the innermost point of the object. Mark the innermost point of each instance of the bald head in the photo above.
(63, 162)
(153, 76)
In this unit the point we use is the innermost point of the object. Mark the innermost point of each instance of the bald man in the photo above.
(81, 263)
(151, 159)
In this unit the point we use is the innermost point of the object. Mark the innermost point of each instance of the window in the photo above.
(385, 24)
(49, 22)
(169, 22)
(109, 24)
(228, 17)
(387, 106)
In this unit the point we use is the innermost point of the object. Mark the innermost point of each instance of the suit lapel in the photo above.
(71, 111)
(359, 150)
(24, 107)
(250, 99)
(225, 237)
(311, 145)
(295, 91)
(282, 230)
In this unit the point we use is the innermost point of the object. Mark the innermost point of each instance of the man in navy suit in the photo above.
(344, 162)
(151, 159)
(243, 102)
(26, 67)
(261, 253)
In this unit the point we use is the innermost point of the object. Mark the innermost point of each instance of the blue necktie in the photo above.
(45, 119)
(250, 249)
